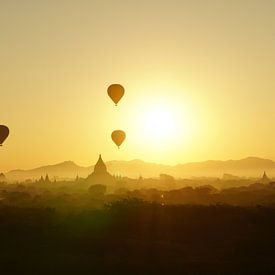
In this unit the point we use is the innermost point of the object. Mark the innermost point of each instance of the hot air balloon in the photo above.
(118, 137)
(4, 133)
(115, 92)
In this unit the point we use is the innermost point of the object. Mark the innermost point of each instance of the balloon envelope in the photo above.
(118, 137)
(116, 92)
(4, 133)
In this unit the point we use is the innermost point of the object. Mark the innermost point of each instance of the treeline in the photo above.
(134, 237)
(70, 196)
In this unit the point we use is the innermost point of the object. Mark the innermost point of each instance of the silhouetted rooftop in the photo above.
(100, 167)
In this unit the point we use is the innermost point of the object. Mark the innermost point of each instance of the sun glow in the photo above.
(162, 123)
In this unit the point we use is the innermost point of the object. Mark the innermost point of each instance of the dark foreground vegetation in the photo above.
(135, 237)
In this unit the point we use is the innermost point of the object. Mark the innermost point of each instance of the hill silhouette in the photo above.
(250, 167)
(63, 170)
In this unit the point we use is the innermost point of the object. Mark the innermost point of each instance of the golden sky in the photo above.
(206, 66)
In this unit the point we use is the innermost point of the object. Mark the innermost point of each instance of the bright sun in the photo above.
(160, 123)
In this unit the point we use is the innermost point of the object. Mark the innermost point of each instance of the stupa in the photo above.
(100, 175)
(265, 179)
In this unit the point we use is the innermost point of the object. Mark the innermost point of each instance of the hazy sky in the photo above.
(208, 63)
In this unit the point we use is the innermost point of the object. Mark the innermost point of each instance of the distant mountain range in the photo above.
(249, 167)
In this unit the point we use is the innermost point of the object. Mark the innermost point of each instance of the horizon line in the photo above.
(149, 162)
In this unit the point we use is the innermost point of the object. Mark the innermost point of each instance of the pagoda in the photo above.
(100, 175)
(265, 178)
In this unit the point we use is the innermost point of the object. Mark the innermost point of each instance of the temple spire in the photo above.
(265, 178)
(100, 167)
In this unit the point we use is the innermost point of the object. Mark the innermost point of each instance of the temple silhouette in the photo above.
(100, 175)
(265, 179)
